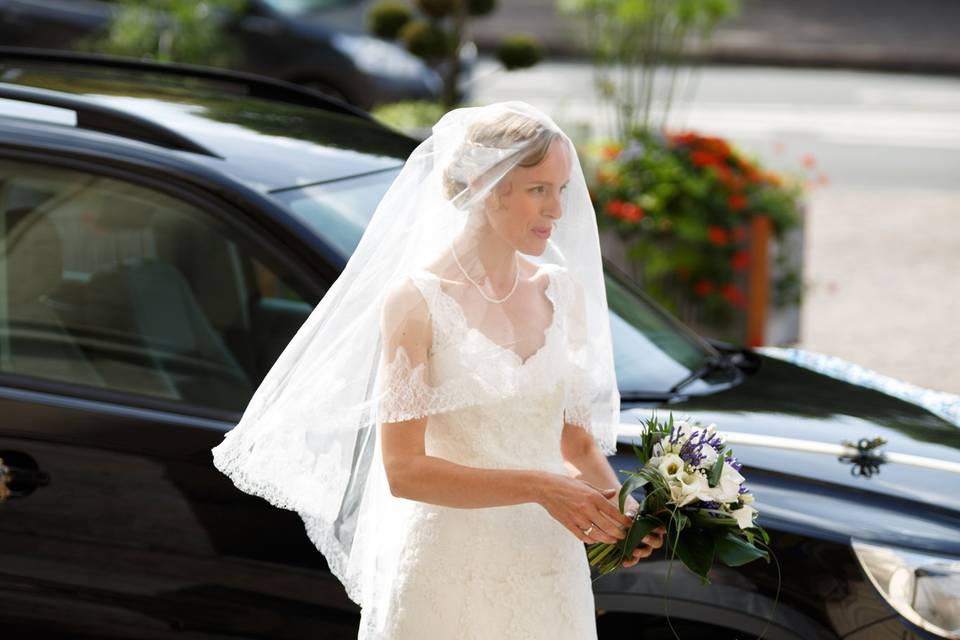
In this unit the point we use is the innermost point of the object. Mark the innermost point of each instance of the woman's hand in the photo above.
(577, 504)
(653, 540)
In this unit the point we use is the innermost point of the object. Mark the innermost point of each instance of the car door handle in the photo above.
(20, 475)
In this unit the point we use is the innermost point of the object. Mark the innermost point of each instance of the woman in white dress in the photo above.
(440, 421)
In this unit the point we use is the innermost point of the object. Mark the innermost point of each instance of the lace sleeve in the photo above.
(592, 400)
(406, 390)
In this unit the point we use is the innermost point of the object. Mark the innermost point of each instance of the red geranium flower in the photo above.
(737, 201)
(613, 207)
(739, 260)
(703, 287)
(703, 158)
(733, 294)
(631, 212)
(716, 234)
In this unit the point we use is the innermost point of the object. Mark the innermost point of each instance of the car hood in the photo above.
(785, 425)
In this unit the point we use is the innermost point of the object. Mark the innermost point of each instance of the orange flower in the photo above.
(624, 210)
(808, 161)
(737, 201)
(614, 206)
(612, 150)
(822, 179)
(631, 212)
(717, 235)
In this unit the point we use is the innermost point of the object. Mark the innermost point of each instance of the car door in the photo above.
(134, 326)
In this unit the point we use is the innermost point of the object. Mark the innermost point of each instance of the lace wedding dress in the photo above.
(508, 572)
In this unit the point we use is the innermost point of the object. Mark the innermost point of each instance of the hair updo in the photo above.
(503, 131)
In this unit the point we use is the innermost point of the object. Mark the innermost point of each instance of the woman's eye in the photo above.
(540, 189)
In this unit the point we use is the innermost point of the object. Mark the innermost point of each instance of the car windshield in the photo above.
(652, 349)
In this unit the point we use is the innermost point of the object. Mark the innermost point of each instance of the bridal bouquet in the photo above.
(694, 489)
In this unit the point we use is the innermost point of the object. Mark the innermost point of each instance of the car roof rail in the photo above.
(99, 117)
(255, 86)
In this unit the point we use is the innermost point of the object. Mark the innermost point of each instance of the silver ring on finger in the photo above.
(587, 531)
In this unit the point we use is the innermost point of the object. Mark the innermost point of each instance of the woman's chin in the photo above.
(535, 248)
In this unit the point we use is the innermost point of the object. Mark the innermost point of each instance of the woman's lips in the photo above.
(543, 232)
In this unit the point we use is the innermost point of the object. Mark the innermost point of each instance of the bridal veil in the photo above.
(309, 441)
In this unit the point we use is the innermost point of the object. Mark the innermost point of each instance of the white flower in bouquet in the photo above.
(728, 488)
(670, 466)
(744, 516)
(694, 487)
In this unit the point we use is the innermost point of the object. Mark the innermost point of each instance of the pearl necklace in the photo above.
(516, 280)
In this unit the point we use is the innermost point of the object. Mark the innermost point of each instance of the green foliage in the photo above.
(436, 9)
(387, 18)
(437, 37)
(518, 51)
(481, 7)
(425, 39)
(172, 30)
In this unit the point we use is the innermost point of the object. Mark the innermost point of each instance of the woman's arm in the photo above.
(584, 458)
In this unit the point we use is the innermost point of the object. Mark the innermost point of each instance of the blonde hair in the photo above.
(505, 131)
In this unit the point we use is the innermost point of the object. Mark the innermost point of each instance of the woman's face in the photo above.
(530, 198)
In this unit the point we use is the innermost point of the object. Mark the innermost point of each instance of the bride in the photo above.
(440, 420)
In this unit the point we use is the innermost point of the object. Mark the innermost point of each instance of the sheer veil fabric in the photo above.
(309, 440)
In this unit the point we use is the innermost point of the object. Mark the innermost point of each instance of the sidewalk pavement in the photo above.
(920, 36)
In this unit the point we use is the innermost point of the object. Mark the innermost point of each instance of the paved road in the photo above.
(883, 234)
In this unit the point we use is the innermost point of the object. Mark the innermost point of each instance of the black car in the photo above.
(167, 229)
(289, 40)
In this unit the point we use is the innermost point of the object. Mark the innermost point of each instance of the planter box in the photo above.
(762, 321)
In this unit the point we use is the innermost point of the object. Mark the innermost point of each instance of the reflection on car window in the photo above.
(107, 284)
(339, 211)
(651, 350)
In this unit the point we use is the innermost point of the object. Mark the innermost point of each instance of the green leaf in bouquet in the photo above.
(640, 527)
(702, 518)
(713, 477)
(763, 532)
(634, 482)
(733, 551)
(696, 550)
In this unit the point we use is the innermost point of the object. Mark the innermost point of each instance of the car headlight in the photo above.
(922, 587)
(376, 57)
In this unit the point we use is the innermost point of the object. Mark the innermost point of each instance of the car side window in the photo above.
(107, 284)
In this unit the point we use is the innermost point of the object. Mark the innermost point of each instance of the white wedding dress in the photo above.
(509, 572)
